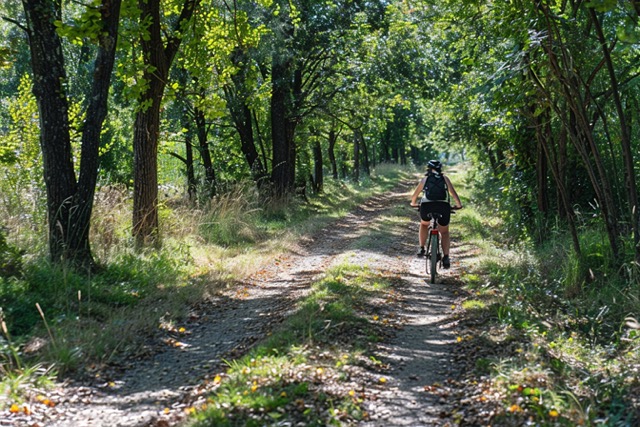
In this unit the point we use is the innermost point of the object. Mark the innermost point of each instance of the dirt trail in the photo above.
(418, 356)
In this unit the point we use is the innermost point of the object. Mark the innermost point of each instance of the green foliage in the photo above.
(21, 179)
(602, 5)
(16, 383)
(85, 27)
(64, 294)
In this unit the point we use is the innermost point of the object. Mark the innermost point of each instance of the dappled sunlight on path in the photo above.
(419, 356)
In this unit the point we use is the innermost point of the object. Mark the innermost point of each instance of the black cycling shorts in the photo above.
(440, 207)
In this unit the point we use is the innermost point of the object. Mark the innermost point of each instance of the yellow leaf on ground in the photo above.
(382, 380)
(14, 409)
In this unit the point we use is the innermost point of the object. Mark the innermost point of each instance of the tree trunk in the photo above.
(318, 176)
(283, 173)
(205, 154)
(542, 171)
(403, 153)
(157, 60)
(69, 203)
(625, 140)
(386, 142)
(242, 116)
(365, 155)
(333, 137)
(356, 157)
(95, 116)
(145, 175)
(581, 135)
(192, 185)
(244, 126)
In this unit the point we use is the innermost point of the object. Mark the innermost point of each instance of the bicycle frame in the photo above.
(433, 255)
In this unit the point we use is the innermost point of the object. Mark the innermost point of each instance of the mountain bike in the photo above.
(432, 212)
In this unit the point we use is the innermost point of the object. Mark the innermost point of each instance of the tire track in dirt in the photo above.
(225, 329)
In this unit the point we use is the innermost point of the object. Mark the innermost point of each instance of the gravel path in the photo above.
(154, 391)
(419, 355)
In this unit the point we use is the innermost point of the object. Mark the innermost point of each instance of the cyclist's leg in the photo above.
(446, 240)
(423, 233)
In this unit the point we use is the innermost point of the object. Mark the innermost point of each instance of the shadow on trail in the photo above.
(421, 356)
(177, 363)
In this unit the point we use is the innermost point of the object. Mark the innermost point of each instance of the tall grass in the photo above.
(233, 218)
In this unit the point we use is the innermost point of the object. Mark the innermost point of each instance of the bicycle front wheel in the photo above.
(433, 259)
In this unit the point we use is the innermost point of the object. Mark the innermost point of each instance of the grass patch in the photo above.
(303, 374)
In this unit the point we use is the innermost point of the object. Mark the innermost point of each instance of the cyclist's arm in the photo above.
(417, 192)
(453, 193)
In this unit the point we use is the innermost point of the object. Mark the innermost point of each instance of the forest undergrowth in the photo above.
(549, 338)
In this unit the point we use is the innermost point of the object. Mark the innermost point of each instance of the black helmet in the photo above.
(435, 164)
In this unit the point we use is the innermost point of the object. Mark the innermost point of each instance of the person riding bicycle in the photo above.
(434, 178)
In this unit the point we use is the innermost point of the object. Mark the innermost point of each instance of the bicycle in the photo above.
(432, 211)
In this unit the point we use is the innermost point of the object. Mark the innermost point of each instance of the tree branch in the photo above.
(16, 23)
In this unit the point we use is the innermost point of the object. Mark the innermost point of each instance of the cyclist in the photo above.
(434, 168)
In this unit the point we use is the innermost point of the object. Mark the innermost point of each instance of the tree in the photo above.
(69, 201)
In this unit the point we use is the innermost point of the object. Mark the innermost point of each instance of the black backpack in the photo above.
(435, 187)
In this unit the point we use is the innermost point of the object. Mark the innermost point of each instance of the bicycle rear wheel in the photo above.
(432, 262)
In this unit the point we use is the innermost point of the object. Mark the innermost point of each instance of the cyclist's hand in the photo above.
(457, 207)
